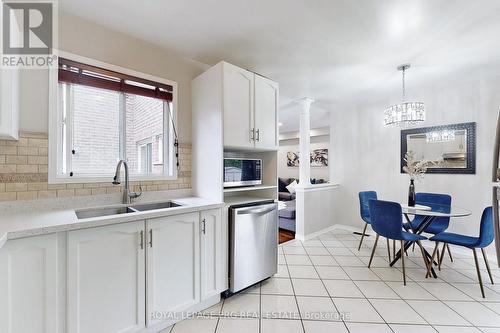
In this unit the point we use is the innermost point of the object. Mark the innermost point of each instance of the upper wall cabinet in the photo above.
(9, 104)
(238, 107)
(250, 106)
(243, 103)
(265, 115)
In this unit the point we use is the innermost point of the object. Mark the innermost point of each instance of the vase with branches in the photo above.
(416, 170)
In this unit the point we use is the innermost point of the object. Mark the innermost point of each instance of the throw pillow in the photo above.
(291, 187)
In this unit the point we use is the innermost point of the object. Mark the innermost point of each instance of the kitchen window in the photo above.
(104, 115)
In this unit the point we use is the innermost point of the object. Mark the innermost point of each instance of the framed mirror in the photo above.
(450, 148)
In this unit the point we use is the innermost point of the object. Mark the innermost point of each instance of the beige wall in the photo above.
(87, 39)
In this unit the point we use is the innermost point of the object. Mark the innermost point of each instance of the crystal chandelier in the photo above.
(440, 136)
(405, 113)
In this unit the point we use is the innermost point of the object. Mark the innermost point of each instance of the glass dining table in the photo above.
(428, 214)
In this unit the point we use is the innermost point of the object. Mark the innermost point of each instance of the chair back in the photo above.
(486, 231)
(364, 209)
(386, 218)
(435, 200)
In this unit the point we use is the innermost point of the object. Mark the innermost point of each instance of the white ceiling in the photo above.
(331, 50)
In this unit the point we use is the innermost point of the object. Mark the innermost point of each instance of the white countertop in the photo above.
(39, 222)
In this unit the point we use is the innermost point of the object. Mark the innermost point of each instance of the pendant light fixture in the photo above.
(405, 113)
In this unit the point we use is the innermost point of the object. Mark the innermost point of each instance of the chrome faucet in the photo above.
(127, 195)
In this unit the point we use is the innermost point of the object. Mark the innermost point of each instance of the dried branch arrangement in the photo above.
(415, 169)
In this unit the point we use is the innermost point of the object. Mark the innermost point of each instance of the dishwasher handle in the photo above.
(256, 210)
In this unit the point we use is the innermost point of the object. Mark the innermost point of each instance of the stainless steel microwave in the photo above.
(242, 172)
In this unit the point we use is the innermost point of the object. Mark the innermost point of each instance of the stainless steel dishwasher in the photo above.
(253, 244)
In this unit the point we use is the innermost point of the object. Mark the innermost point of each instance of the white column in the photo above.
(305, 142)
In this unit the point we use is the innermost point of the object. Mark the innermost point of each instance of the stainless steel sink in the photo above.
(153, 206)
(88, 213)
(107, 211)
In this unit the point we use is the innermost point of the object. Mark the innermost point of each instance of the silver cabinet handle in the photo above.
(203, 226)
(252, 134)
(258, 135)
(150, 237)
(141, 235)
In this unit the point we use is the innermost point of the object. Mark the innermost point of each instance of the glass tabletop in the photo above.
(435, 210)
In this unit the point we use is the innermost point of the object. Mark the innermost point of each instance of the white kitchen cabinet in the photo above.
(32, 285)
(212, 280)
(173, 266)
(266, 113)
(9, 104)
(244, 103)
(238, 105)
(106, 279)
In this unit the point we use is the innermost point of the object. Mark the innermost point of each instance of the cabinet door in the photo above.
(173, 272)
(9, 104)
(212, 281)
(106, 279)
(238, 101)
(266, 113)
(31, 285)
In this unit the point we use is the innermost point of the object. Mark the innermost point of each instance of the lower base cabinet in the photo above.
(173, 270)
(31, 285)
(106, 279)
(212, 281)
(122, 278)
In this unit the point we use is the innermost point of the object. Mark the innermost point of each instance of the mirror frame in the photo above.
(471, 146)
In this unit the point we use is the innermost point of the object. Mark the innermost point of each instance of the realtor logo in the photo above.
(28, 34)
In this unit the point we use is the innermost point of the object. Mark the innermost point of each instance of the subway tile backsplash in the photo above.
(24, 173)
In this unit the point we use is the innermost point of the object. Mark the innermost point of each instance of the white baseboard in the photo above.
(330, 228)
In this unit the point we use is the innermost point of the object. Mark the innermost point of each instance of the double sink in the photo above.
(107, 211)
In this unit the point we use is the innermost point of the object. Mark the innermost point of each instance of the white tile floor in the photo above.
(324, 285)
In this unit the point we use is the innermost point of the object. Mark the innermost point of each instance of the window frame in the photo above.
(55, 130)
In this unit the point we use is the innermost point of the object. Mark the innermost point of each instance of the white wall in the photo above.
(317, 142)
(88, 39)
(367, 153)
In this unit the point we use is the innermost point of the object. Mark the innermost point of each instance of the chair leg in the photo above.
(394, 248)
(424, 257)
(362, 236)
(442, 256)
(449, 252)
(403, 261)
(478, 272)
(373, 251)
(487, 265)
(388, 249)
(436, 251)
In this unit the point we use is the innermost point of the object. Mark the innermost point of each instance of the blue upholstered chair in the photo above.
(486, 236)
(387, 221)
(439, 224)
(364, 210)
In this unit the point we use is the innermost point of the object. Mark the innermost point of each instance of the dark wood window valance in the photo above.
(78, 73)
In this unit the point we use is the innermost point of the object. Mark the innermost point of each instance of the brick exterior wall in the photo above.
(24, 173)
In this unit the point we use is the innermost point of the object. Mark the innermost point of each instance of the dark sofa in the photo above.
(283, 194)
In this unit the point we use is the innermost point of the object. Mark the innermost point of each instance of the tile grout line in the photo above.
(294, 294)
(437, 298)
(365, 295)
(324, 286)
